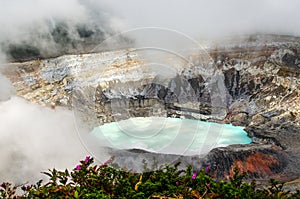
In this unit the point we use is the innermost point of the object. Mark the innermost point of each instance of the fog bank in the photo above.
(211, 19)
(34, 139)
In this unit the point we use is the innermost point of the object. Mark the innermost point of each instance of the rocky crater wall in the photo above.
(255, 85)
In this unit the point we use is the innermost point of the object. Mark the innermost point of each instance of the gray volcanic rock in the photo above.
(253, 82)
(257, 161)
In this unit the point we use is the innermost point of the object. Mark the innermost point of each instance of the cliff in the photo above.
(253, 83)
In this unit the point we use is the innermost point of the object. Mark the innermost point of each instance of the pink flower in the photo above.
(87, 158)
(208, 186)
(106, 162)
(194, 176)
(28, 187)
(78, 167)
(177, 183)
(207, 168)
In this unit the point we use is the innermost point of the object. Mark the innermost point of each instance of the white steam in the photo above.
(17, 16)
(214, 18)
(42, 28)
(35, 138)
(6, 89)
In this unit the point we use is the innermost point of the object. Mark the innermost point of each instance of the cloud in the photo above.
(42, 28)
(212, 19)
(34, 139)
(19, 18)
(6, 89)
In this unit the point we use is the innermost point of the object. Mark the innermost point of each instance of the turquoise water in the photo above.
(169, 135)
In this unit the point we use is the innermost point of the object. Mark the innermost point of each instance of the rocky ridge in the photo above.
(253, 83)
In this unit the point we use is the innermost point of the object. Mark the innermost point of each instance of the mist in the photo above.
(41, 29)
(211, 19)
(34, 138)
(6, 89)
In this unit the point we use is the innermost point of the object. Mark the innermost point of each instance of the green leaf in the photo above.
(76, 194)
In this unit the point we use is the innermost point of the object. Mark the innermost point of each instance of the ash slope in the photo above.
(259, 78)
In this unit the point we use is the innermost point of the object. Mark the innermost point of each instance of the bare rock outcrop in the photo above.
(256, 85)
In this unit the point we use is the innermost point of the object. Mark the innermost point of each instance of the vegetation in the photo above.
(106, 181)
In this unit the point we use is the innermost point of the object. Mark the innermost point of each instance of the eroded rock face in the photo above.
(256, 85)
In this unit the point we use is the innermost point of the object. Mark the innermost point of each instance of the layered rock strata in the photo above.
(253, 83)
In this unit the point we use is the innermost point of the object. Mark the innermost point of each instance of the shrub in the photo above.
(105, 181)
